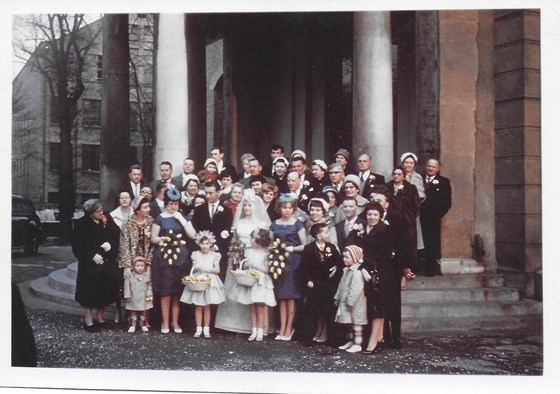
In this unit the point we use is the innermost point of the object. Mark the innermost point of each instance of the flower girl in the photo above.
(351, 300)
(205, 269)
(261, 293)
(138, 293)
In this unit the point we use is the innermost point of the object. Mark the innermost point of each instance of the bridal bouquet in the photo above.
(277, 258)
(170, 246)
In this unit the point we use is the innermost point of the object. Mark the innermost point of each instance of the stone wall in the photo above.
(518, 139)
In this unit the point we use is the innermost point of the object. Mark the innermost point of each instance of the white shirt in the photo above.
(210, 205)
(135, 189)
(364, 175)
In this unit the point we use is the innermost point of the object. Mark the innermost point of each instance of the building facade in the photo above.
(35, 133)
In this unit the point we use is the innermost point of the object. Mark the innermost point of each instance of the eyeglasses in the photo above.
(398, 173)
(146, 191)
(335, 172)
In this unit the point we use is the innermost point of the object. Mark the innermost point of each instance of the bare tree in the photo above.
(62, 43)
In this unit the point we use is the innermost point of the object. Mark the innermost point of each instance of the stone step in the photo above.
(59, 280)
(455, 281)
(42, 289)
(459, 295)
(469, 323)
(72, 270)
(474, 309)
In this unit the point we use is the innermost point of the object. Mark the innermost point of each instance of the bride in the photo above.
(250, 214)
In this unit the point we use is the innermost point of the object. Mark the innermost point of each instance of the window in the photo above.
(54, 155)
(134, 116)
(99, 67)
(53, 108)
(90, 157)
(92, 112)
(88, 196)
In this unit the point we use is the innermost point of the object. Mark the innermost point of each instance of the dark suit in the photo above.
(353, 237)
(246, 182)
(231, 169)
(128, 188)
(436, 205)
(174, 181)
(367, 184)
(319, 300)
(309, 187)
(222, 220)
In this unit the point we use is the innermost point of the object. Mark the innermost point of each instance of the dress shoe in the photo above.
(145, 329)
(91, 328)
(396, 344)
(279, 337)
(165, 330)
(347, 345)
(131, 329)
(103, 325)
(177, 330)
(354, 349)
(286, 338)
(378, 348)
(321, 340)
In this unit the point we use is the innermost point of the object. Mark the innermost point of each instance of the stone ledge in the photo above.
(454, 266)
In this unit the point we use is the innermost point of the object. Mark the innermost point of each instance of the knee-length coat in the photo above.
(97, 286)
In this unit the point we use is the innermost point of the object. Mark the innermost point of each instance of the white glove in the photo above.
(180, 217)
(106, 246)
(290, 249)
(366, 275)
(333, 271)
(97, 259)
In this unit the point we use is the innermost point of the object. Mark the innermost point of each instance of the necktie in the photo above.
(213, 210)
(346, 228)
(428, 179)
(362, 177)
(136, 191)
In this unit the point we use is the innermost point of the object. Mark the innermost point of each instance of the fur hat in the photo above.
(355, 252)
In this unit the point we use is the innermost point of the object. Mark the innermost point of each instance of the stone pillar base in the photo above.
(454, 266)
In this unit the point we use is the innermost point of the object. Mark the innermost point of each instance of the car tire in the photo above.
(32, 249)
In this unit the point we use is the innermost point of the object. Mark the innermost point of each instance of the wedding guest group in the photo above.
(284, 251)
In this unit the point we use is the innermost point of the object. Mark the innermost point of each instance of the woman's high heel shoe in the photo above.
(376, 349)
(286, 338)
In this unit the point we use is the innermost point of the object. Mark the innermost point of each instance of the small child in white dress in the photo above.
(206, 262)
(351, 300)
(261, 294)
(138, 293)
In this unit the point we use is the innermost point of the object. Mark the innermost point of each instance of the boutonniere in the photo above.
(104, 220)
(310, 189)
(328, 252)
(385, 221)
(304, 196)
(435, 182)
(400, 187)
(359, 229)
(305, 183)
(220, 208)
(224, 234)
(371, 177)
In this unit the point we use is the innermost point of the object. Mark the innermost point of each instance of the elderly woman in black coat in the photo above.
(95, 243)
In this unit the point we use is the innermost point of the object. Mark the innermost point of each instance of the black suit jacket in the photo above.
(155, 210)
(222, 221)
(371, 180)
(438, 197)
(232, 170)
(174, 181)
(353, 237)
(316, 265)
(398, 230)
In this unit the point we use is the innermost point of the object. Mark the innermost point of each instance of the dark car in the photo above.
(27, 230)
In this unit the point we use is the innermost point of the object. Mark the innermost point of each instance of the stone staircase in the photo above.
(466, 302)
(450, 302)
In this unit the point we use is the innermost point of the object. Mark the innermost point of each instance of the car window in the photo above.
(22, 206)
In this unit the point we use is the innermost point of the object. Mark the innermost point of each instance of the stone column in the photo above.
(466, 138)
(172, 143)
(372, 89)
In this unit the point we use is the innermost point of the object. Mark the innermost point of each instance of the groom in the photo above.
(217, 218)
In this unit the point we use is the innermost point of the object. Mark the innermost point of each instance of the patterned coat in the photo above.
(135, 241)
